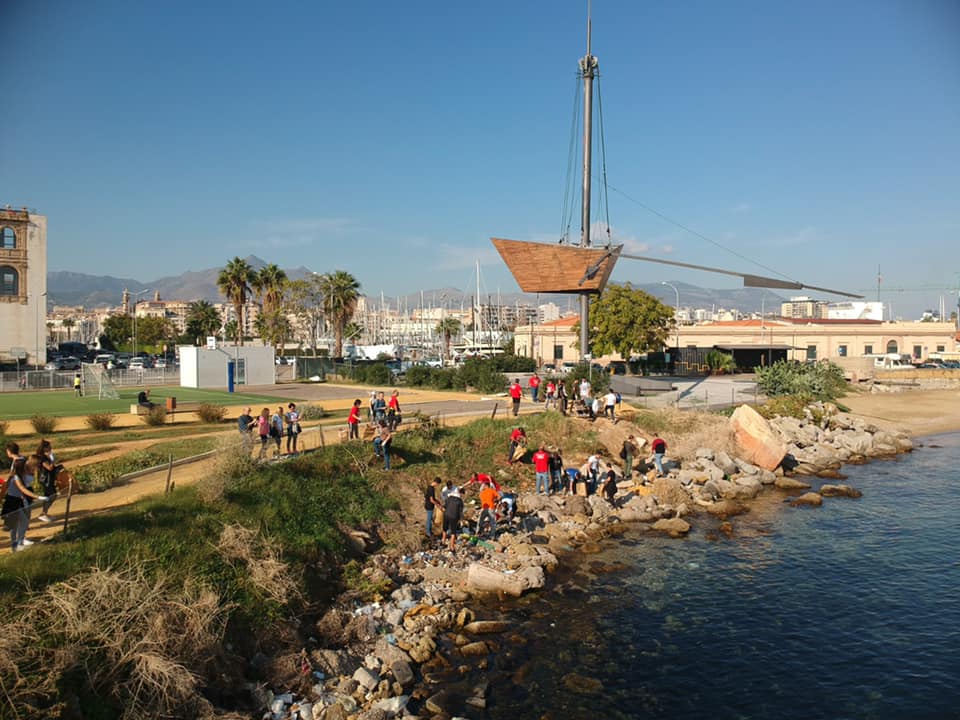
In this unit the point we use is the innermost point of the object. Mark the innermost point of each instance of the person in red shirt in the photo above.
(541, 465)
(551, 398)
(481, 478)
(353, 421)
(393, 410)
(534, 384)
(517, 438)
(516, 392)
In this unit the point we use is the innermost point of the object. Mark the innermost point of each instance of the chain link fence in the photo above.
(12, 381)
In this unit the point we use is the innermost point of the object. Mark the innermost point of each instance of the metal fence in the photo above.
(12, 381)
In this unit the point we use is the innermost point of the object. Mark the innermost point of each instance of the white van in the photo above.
(890, 361)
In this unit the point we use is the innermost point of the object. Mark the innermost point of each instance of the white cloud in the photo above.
(299, 232)
(741, 208)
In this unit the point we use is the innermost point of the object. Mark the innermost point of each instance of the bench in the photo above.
(137, 409)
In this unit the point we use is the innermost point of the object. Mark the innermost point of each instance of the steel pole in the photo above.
(588, 66)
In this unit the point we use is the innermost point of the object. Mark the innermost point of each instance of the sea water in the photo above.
(849, 610)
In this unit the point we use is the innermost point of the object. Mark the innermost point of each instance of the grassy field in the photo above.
(20, 405)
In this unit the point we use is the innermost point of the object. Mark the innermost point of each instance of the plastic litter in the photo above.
(367, 609)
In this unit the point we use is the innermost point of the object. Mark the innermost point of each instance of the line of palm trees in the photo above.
(334, 295)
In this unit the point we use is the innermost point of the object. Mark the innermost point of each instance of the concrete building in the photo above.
(803, 307)
(23, 286)
(855, 310)
(760, 341)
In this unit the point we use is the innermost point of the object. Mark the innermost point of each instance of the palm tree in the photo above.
(202, 320)
(234, 282)
(448, 327)
(269, 283)
(340, 294)
(69, 323)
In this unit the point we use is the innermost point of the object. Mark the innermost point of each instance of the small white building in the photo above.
(208, 367)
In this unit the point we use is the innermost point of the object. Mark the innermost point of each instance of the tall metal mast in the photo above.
(588, 68)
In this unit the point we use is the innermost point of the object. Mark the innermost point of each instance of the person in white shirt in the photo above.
(609, 405)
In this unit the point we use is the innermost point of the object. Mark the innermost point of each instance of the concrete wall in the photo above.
(201, 367)
(23, 317)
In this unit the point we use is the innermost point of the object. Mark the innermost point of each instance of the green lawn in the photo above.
(19, 405)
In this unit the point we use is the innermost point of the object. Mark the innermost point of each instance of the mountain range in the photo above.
(70, 288)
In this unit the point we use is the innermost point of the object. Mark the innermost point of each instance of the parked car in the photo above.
(160, 364)
(138, 363)
(616, 367)
(281, 360)
(567, 366)
(548, 368)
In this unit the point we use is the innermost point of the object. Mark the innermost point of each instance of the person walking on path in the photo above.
(610, 405)
(452, 512)
(276, 430)
(293, 427)
(562, 397)
(393, 410)
(47, 470)
(534, 383)
(263, 430)
(541, 466)
(245, 425)
(516, 392)
(659, 447)
(78, 385)
(627, 452)
(379, 408)
(489, 499)
(353, 420)
(551, 398)
(16, 503)
(430, 504)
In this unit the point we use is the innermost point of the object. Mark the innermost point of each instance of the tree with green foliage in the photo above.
(449, 327)
(202, 320)
(305, 302)
(627, 321)
(69, 323)
(234, 282)
(231, 331)
(341, 290)
(720, 362)
(118, 329)
(155, 331)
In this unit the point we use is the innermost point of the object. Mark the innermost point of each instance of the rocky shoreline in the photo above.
(418, 651)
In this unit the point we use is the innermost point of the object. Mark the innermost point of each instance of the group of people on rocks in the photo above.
(585, 404)
(496, 505)
(32, 479)
(271, 427)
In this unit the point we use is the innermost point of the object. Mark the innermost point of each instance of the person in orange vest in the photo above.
(488, 503)
(516, 392)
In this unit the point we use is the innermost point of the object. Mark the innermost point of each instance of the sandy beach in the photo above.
(916, 412)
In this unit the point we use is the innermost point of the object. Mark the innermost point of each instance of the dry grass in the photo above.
(265, 570)
(233, 460)
(686, 430)
(139, 642)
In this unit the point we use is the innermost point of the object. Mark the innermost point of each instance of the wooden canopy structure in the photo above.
(542, 268)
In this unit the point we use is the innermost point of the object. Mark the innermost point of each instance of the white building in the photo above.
(23, 286)
(857, 310)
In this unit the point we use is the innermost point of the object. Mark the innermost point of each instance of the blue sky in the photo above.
(818, 139)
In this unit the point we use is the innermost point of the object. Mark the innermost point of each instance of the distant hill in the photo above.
(70, 288)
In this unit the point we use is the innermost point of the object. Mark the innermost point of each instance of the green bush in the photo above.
(513, 363)
(44, 424)
(599, 381)
(4, 426)
(311, 412)
(100, 421)
(481, 375)
(102, 475)
(444, 379)
(156, 416)
(419, 375)
(816, 381)
(210, 413)
(719, 361)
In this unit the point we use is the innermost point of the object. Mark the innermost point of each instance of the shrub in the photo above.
(156, 416)
(719, 361)
(44, 424)
(4, 426)
(817, 381)
(102, 475)
(233, 460)
(366, 584)
(481, 375)
(100, 421)
(513, 363)
(311, 412)
(419, 375)
(210, 413)
(444, 379)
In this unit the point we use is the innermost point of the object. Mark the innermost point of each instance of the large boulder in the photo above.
(484, 580)
(674, 527)
(669, 491)
(755, 439)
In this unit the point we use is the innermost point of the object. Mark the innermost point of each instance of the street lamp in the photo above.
(135, 301)
(664, 282)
